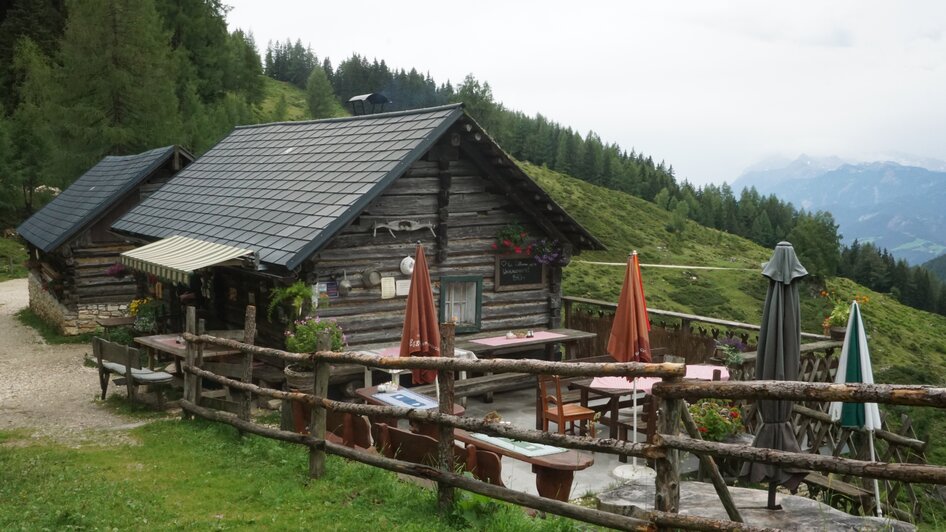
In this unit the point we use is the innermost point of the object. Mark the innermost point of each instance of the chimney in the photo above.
(359, 104)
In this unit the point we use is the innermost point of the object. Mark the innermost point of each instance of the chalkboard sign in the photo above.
(517, 273)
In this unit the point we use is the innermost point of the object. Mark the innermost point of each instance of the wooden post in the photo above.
(317, 421)
(199, 362)
(667, 490)
(445, 492)
(721, 488)
(249, 334)
(190, 379)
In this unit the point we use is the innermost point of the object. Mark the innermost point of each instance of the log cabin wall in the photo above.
(70, 286)
(475, 212)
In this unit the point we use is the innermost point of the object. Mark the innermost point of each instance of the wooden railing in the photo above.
(688, 335)
(671, 395)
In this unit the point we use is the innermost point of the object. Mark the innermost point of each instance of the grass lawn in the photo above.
(197, 474)
(12, 257)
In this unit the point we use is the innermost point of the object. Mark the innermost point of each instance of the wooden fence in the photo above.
(670, 394)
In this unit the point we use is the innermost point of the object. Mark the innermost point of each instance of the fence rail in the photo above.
(670, 395)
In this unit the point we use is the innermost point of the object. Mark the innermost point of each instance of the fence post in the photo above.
(246, 374)
(199, 362)
(189, 356)
(667, 489)
(446, 493)
(317, 419)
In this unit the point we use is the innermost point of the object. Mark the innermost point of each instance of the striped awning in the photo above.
(176, 258)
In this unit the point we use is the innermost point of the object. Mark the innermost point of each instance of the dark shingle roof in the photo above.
(284, 189)
(86, 200)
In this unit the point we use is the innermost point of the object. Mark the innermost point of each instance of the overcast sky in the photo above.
(710, 90)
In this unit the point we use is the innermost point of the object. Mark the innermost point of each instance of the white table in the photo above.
(395, 351)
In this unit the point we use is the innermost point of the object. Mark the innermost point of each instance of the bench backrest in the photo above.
(352, 429)
(117, 353)
(400, 444)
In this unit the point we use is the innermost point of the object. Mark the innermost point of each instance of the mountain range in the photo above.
(895, 206)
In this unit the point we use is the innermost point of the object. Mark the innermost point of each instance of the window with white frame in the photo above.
(461, 300)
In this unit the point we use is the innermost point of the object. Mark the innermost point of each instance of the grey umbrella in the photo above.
(778, 359)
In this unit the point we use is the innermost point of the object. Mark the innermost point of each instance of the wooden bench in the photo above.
(554, 473)
(124, 361)
(393, 442)
(851, 498)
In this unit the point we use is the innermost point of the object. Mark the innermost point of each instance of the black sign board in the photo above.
(518, 273)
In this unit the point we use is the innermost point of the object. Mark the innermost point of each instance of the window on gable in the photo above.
(461, 298)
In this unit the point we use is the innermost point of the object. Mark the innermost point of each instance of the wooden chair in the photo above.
(554, 409)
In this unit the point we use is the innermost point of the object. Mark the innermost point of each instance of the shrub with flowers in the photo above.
(512, 239)
(303, 335)
(716, 419)
(840, 308)
(137, 304)
(549, 252)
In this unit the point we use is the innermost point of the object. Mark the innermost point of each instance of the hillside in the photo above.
(902, 338)
(937, 266)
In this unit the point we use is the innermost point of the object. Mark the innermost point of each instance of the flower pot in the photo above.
(299, 378)
(838, 333)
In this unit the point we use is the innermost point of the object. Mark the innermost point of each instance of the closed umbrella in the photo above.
(778, 358)
(421, 333)
(630, 339)
(855, 366)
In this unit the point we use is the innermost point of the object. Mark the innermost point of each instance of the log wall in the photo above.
(452, 194)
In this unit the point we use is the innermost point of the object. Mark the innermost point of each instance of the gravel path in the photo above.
(46, 389)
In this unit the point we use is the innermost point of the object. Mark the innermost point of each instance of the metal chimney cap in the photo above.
(374, 98)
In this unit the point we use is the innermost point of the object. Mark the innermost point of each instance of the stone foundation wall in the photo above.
(71, 321)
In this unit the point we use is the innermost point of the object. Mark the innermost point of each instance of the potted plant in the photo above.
(716, 419)
(117, 270)
(835, 323)
(729, 351)
(297, 294)
(550, 252)
(302, 336)
(512, 239)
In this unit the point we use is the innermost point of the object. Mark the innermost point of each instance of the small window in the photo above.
(461, 298)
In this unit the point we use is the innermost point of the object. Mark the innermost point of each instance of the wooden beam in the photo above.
(913, 395)
(445, 445)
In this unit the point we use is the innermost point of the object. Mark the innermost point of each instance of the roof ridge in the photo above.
(422, 110)
(141, 155)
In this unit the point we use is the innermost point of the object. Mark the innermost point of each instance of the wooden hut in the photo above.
(340, 204)
(70, 245)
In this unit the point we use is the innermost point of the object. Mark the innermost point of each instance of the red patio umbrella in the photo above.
(630, 338)
(421, 333)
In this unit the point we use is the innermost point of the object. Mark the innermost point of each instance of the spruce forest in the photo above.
(80, 80)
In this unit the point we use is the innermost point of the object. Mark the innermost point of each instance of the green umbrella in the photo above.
(854, 366)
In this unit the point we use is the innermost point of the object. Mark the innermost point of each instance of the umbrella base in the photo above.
(634, 473)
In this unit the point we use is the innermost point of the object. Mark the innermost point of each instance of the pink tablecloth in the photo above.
(694, 371)
(502, 340)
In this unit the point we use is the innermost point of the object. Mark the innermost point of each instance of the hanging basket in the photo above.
(300, 378)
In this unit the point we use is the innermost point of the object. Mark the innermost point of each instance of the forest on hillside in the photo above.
(82, 80)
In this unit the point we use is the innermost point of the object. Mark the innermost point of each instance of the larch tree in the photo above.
(117, 83)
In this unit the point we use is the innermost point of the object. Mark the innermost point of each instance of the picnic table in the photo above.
(173, 344)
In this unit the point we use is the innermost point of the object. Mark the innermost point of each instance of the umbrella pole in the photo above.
(772, 505)
(873, 458)
(634, 432)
